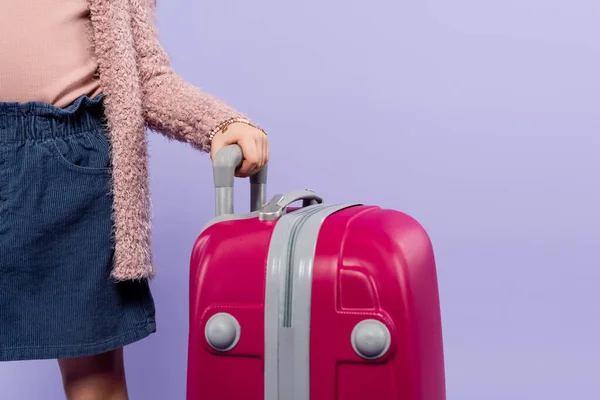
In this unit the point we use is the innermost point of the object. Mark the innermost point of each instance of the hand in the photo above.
(254, 144)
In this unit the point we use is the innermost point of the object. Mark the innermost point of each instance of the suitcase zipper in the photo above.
(289, 279)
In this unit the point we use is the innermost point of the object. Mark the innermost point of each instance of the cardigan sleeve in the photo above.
(171, 106)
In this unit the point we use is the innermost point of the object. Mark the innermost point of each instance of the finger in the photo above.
(245, 170)
(251, 160)
(261, 156)
(265, 144)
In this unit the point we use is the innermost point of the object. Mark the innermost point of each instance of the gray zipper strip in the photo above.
(288, 302)
(275, 295)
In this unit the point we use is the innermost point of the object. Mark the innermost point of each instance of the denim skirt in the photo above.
(57, 299)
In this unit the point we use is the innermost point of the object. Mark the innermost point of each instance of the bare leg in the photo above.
(100, 377)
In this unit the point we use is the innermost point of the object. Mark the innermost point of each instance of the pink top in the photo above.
(45, 51)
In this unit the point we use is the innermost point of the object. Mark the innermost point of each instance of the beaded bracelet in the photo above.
(222, 127)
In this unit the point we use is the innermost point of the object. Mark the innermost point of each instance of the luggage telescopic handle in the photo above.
(225, 162)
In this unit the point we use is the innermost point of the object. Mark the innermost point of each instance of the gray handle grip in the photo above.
(225, 162)
(277, 205)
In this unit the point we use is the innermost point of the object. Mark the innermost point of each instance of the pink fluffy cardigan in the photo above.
(141, 90)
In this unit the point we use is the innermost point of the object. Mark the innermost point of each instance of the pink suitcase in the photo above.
(321, 302)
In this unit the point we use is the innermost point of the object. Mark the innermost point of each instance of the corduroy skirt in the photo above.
(57, 299)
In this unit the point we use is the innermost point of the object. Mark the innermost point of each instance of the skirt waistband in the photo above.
(37, 120)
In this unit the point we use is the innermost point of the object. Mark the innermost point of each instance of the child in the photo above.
(79, 82)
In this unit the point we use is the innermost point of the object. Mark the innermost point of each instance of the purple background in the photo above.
(479, 118)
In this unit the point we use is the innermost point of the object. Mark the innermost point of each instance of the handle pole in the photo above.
(223, 201)
(258, 189)
(258, 194)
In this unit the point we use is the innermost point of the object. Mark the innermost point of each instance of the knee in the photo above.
(95, 377)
